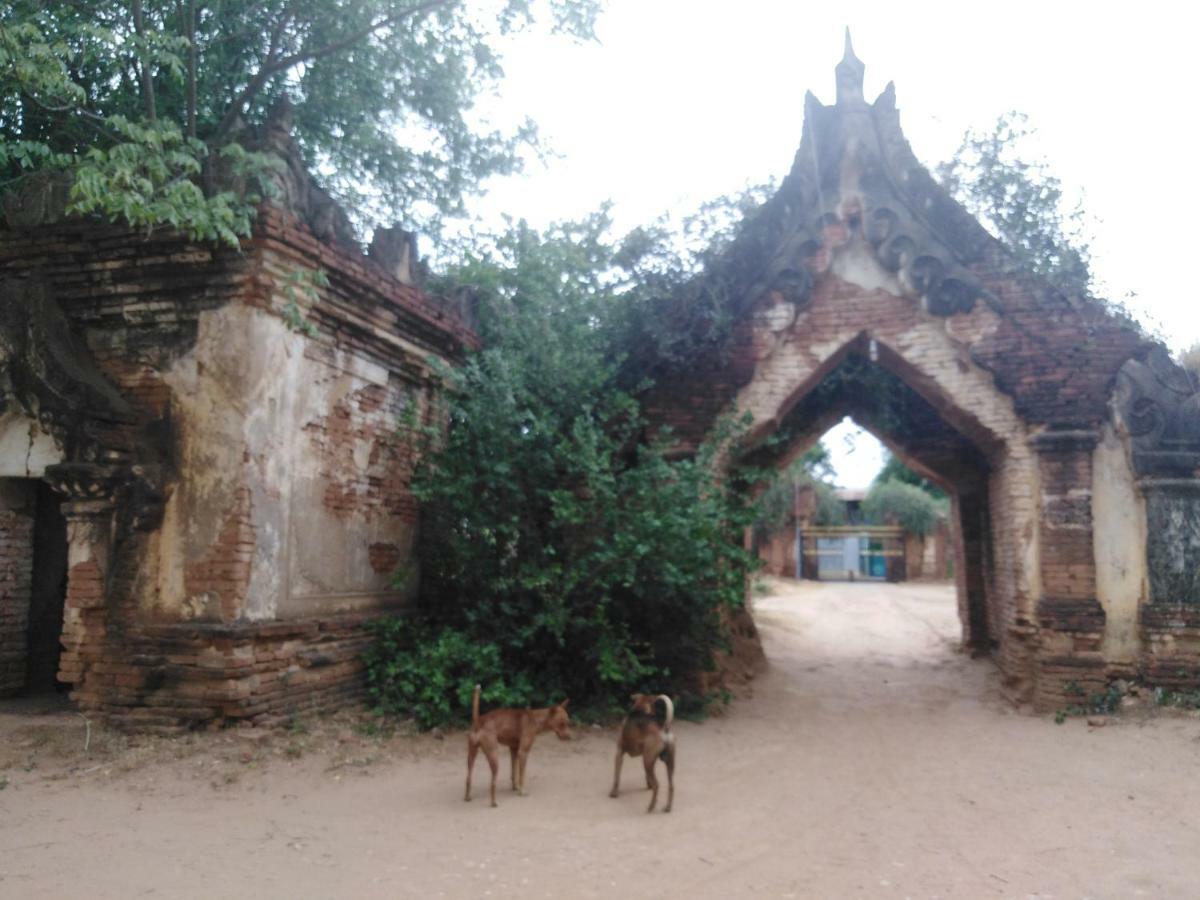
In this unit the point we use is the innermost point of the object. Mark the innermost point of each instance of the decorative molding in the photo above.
(855, 181)
(1066, 441)
(51, 374)
(1173, 541)
(1156, 402)
(1070, 614)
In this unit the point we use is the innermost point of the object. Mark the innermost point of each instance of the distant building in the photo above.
(854, 551)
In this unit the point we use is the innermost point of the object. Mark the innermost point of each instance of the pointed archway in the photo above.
(866, 384)
(1004, 387)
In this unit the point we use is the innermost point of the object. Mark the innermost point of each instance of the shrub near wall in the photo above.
(560, 555)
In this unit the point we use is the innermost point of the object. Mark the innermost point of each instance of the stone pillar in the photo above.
(1070, 617)
(89, 510)
(1171, 617)
(17, 504)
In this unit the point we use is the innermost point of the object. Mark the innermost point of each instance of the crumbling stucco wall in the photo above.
(245, 506)
(1119, 511)
(293, 495)
(26, 449)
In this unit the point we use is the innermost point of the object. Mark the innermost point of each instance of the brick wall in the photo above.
(778, 553)
(994, 378)
(1070, 617)
(967, 432)
(16, 581)
(283, 468)
(174, 677)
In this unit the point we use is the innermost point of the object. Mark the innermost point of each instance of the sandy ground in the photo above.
(871, 760)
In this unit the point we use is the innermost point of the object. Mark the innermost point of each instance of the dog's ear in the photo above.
(565, 702)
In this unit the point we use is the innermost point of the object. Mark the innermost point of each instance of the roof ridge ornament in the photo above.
(849, 75)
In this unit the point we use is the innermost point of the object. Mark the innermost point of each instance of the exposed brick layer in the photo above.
(223, 573)
(184, 676)
(16, 582)
(1017, 480)
(141, 305)
(370, 417)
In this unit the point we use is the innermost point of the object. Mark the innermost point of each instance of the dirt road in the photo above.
(871, 760)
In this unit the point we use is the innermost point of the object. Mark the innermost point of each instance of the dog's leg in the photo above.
(617, 771)
(472, 749)
(652, 745)
(648, 758)
(522, 759)
(512, 753)
(526, 744)
(669, 759)
(490, 750)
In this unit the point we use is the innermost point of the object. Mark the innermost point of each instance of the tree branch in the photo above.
(147, 79)
(270, 67)
(190, 26)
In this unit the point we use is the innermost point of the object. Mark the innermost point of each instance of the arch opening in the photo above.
(929, 439)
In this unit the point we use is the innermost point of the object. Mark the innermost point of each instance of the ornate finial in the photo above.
(849, 73)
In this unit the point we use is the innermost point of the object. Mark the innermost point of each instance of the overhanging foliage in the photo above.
(134, 102)
(587, 560)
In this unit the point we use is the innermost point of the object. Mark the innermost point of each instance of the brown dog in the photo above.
(641, 735)
(516, 729)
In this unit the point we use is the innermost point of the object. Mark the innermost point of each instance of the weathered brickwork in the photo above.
(16, 583)
(997, 504)
(1170, 621)
(220, 579)
(778, 553)
(238, 502)
(862, 288)
(1070, 617)
(184, 676)
(366, 462)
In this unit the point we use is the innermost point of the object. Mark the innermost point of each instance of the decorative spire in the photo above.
(849, 74)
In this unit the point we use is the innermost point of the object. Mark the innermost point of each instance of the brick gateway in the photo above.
(1070, 444)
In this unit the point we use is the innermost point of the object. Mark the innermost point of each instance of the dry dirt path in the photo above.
(871, 760)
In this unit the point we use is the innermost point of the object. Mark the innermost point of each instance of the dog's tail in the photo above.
(670, 711)
(475, 709)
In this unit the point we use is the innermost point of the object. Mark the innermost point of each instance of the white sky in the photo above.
(685, 100)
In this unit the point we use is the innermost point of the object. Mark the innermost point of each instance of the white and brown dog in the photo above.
(642, 735)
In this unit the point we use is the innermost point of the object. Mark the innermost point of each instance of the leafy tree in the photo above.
(897, 503)
(817, 463)
(139, 103)
(895, 470)
(553, 538)
(774, 506)
(1021, 203)
(679, 309)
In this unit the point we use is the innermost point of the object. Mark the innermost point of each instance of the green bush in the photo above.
(429, 674)
(894, 502)
(561, 553)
